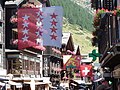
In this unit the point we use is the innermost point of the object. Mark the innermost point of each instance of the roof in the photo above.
(65, 37)
(68, 41)
(76, 49)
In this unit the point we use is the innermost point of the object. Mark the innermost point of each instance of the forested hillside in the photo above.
(75, 13)
(78, 21)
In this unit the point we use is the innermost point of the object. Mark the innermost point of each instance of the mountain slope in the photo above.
(75, 13)
(78, 21)
(80, 37)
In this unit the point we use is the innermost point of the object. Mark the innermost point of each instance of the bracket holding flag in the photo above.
(94, 55)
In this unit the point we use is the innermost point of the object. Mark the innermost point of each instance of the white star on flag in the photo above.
(25, 24)
(39, 25)
(38, 13)
(39, 41)
(25, 17)
(25, 38)
(25, 31)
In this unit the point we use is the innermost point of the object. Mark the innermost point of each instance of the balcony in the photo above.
(109, 41)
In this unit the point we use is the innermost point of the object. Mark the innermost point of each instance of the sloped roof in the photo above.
(68, 41)
(76, 48)
(65, 37)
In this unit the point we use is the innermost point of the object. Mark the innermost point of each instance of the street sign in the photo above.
(94, 55)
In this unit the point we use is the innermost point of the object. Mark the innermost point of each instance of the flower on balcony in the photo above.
(96, 21)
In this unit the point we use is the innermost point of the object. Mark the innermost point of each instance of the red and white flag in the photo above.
(86, 70)
(40, 26)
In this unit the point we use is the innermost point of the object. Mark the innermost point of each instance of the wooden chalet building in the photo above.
(108, 33)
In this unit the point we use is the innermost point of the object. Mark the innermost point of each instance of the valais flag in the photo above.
(86, 70)
(40, 26)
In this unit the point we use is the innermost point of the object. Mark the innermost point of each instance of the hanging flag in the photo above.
(40, 26)
(73, 62)
(86, 70)
(52, 26)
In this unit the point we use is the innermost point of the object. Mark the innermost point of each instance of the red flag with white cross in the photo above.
(39, 26)
(86, 70)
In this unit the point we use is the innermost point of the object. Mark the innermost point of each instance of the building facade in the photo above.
(107, 33)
